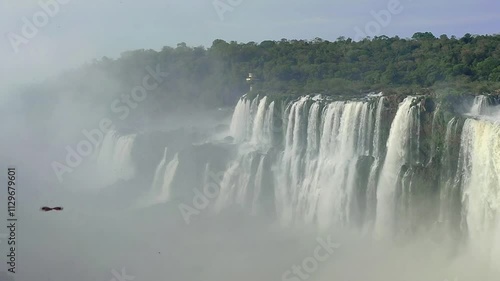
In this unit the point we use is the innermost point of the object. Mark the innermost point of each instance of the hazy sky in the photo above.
(83, 30)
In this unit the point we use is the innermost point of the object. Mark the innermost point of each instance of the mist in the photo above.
(102, 231)
(139, 121)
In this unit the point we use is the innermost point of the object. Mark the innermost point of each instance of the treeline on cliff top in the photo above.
(215, 76)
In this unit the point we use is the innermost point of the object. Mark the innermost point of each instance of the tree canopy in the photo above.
(216, 75)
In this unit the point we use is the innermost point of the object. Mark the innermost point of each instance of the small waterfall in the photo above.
(162, 182)
(288, 180)
(371, 194)
(240, 120)
(253, 121)
(166, 187)
(334, 204)
(160, 172)
(313, 134)
(479, 106)
(258, 186)
(450, 197)
(398, 154)
(480, 181)
(242, 181)
(114, 159)
(269, 126)
(258, 124)
(240, 185)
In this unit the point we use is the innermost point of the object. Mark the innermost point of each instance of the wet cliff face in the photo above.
(301, 142)
(387, 165)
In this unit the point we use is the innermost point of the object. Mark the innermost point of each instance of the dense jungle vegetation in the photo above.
(215, 76)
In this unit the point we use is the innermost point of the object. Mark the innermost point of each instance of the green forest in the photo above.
(215, 76)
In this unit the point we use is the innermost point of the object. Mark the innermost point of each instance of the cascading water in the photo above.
(488, 107)
(398, 154)
(171, 168)
(327, 148)
(258, 185)
(288, 181)
(114, 158)
(160, 171)
(242, 181)
(371, 191)
(258, 124)
(450, 201)
(480, 184)
(240, 121)
(160, 191)
(236, 183)
(339, 164)
(480, 105)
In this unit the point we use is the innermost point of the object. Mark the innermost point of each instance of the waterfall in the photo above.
(170, 170)
(258, 124)
(371, 193)
(160, 172)
(287, 185)
(327, 162)
(240, 120)
(398, 154)
(253, 121)
(253, 127)
(480, 182)
(337, 177)
(361, 165)
(320, 171)
(333, 164)
(269, 126)
(160, 191)
(114, 158)
(479, 106)
(241, 183)
(258, 186)
(450, 201)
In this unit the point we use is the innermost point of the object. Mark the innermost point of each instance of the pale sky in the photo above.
(86, 29)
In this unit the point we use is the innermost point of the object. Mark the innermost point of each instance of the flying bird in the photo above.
(46, 209)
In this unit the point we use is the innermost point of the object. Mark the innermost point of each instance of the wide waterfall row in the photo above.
(348, 164)
(330, 163)
(356, 164)
(323, 170)
(327, 169)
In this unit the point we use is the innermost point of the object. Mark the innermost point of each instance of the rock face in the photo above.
(390, 165)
